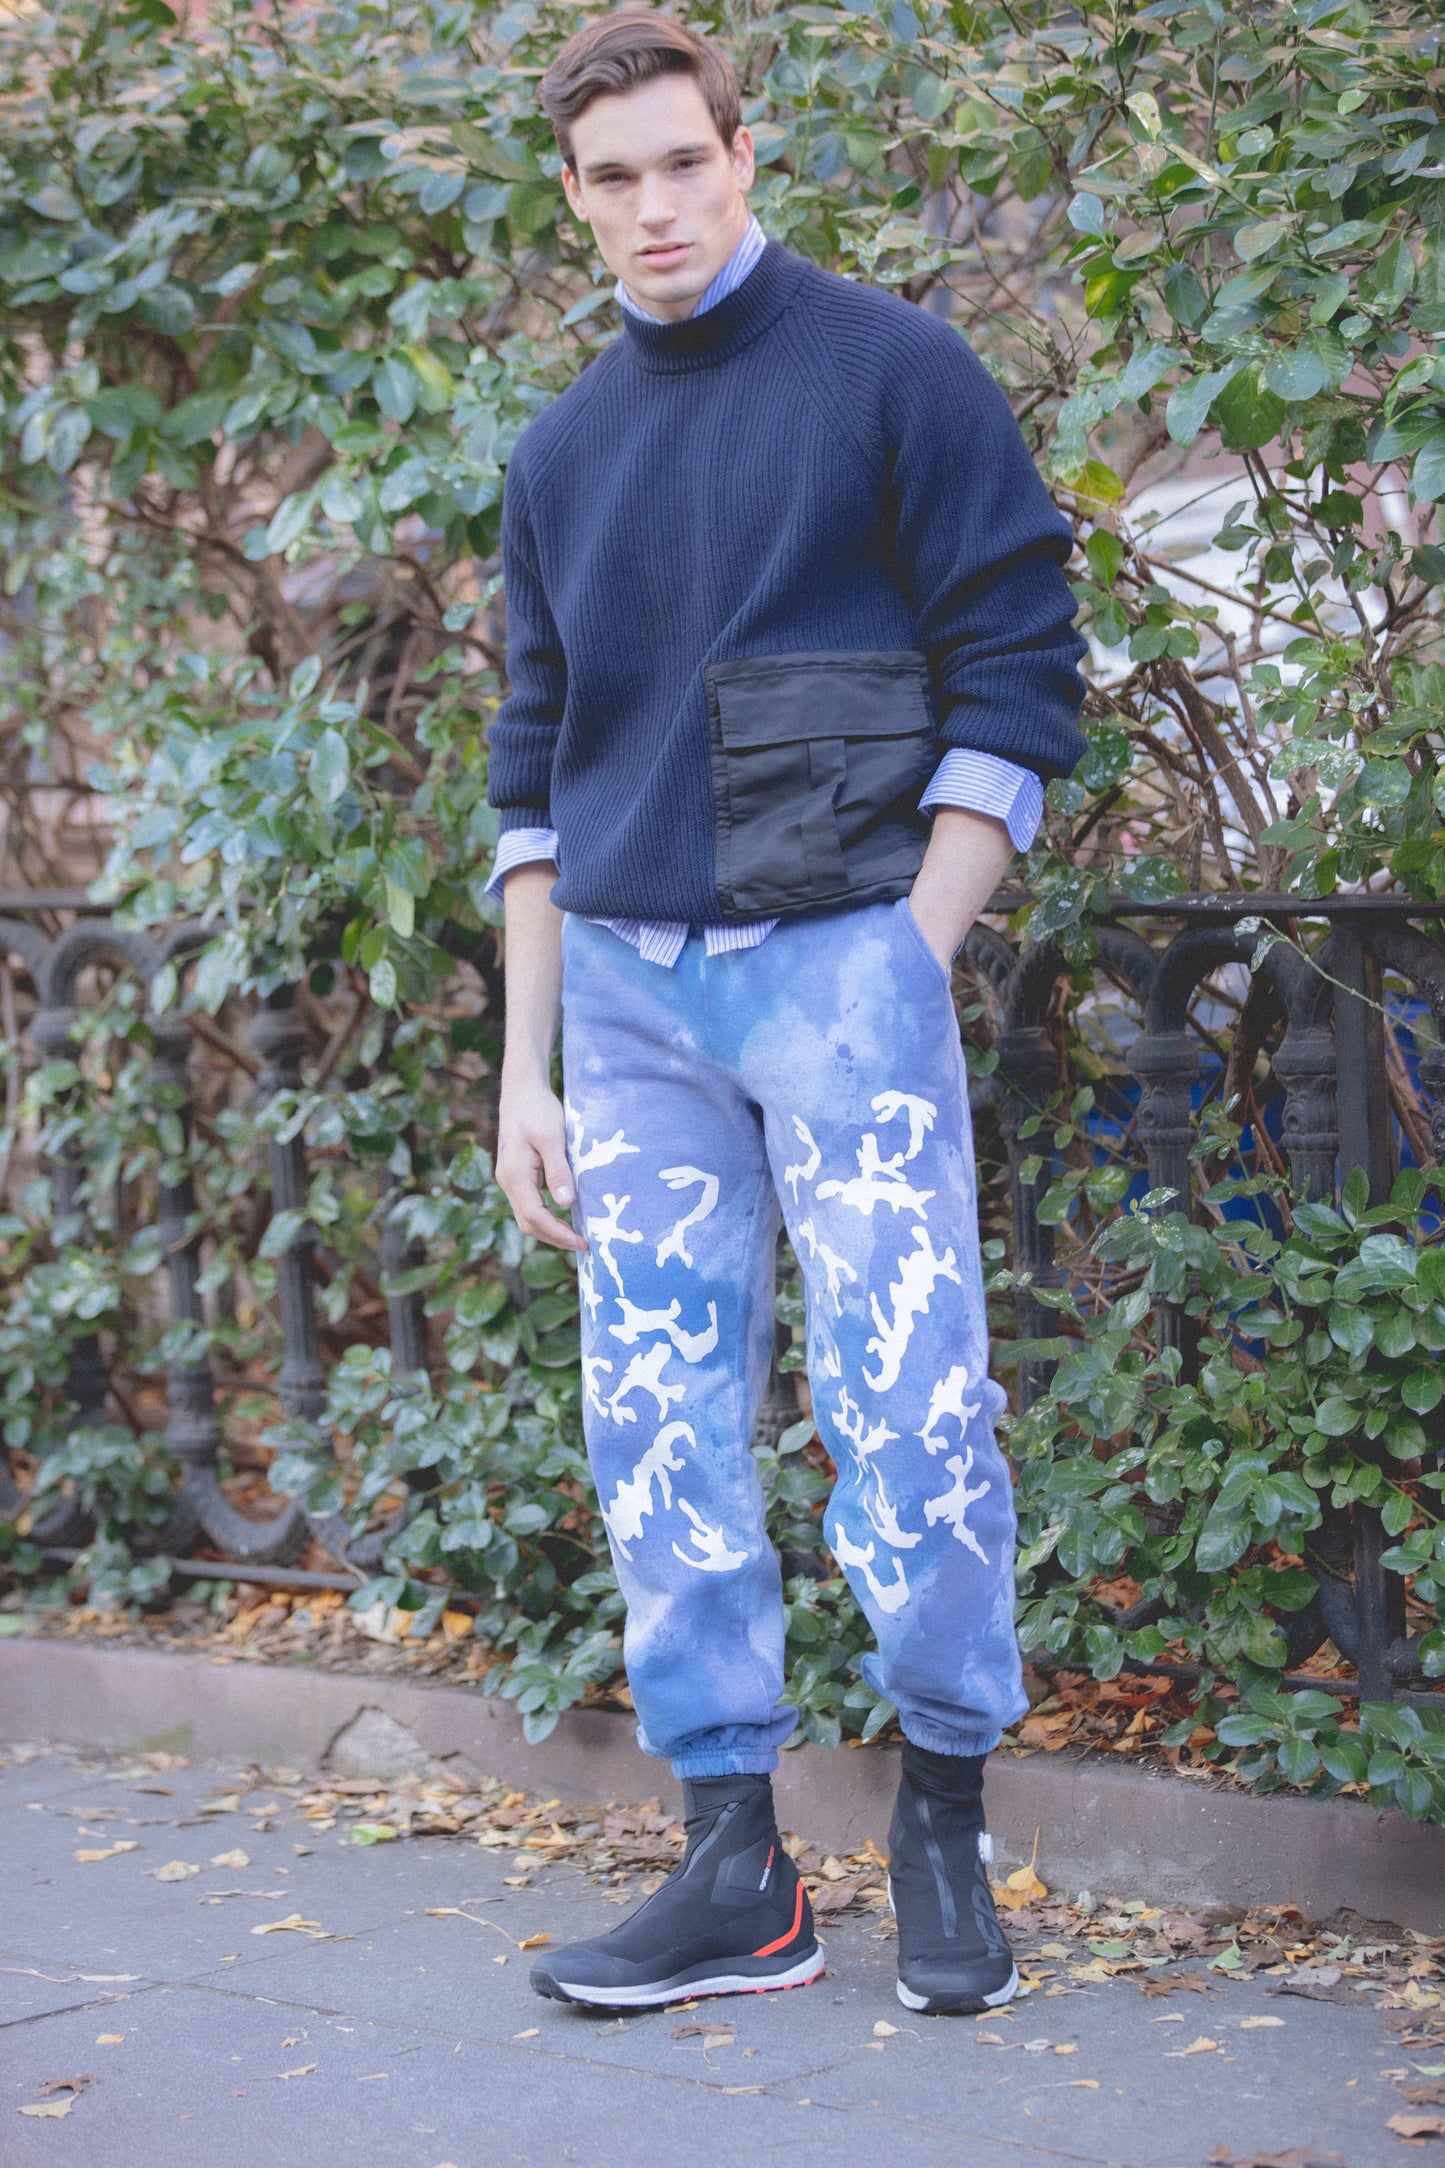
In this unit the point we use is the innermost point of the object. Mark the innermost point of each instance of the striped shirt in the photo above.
(977, 782)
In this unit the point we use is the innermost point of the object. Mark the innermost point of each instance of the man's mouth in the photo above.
(664, 255)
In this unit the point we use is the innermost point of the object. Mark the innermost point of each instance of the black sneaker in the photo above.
(953, 1956)
(733, 1919)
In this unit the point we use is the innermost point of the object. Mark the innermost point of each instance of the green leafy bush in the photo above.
(278, 291)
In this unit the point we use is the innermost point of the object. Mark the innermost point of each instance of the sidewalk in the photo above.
(408, 2036)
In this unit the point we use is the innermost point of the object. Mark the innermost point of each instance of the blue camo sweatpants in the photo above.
(822, 1070)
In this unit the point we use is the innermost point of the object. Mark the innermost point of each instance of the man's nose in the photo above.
(655, 206)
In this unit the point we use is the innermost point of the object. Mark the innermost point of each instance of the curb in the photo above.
(1103, 1825)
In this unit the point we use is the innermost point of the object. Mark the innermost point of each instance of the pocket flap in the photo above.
(775, 699)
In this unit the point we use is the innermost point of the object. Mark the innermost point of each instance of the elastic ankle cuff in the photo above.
(719, 1763)
(959, 1745)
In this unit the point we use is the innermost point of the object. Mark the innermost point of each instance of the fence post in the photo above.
(87, 1377)
(1366, 1140)
(277, 1036)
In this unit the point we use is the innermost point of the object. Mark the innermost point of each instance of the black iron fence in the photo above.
(1323, 1013)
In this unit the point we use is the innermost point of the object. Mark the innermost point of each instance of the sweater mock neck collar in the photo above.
(722, 331)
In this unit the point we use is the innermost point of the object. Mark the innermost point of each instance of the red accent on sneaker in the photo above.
(769, 1947)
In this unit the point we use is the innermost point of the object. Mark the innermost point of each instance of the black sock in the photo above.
(958, 1778)
(705, 1797)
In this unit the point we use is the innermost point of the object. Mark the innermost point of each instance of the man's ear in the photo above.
(744, 158)
(573, 193)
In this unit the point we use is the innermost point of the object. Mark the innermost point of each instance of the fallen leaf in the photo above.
(1303, 1984)
(294, 2040)
(1091, 2083)
(1068, 2047)
(292, 1920)
(1023, 1886)
(985, 2040)
(1202, 2046)
(67, 1979)
(174, 1870)
(231, 1859)
(1411, 2124)
(88, 1854)
(370, 1833)
(109, 2040)
(530, 2034)
(67, 2085)
(372, 2076)
(1257, 2024)
(51, 2107)
(1297, 2156)
(304, 2071)
(229, 1803)
(533, 1942)
(884, 2031)
(740, 2088)
(1170, 1983)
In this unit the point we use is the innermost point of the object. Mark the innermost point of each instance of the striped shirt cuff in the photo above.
(520, 847)
(982, 783)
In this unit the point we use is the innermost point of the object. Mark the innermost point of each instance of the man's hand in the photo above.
(968, 854)
(531, 1128)
(531, 1156)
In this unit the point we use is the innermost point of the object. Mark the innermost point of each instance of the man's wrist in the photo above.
(524, 1078)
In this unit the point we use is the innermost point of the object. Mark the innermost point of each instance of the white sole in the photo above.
(723, 1983)
(995, 2001)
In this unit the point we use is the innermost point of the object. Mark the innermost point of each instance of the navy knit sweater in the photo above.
(812, 465)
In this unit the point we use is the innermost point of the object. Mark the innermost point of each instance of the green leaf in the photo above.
(288, 522)
(1259, 237)
(1427, 475)
(400, 909)
(1297, 375)
(395, 386)
(1422, 1390)
(407, 863)
(1188, 304)
(330, 769)
(1336, 1416)
(1250, 415)
(1189, 406)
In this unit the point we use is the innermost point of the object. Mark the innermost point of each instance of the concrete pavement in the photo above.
(393, 2023)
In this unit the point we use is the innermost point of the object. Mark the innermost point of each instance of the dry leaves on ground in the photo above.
(1297, 2156)
(1412, 2123)
(58, 2096)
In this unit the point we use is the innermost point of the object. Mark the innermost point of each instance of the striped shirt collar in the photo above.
(728, 280)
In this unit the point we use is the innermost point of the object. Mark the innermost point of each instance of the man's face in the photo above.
(665, 197)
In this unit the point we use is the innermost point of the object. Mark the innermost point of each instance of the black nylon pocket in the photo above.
(818, 761)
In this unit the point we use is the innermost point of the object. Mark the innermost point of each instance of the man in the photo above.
(778, 567)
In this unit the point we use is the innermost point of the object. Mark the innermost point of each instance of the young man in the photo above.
(790, 651)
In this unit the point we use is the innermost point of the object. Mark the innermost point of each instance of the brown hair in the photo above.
(620, 52)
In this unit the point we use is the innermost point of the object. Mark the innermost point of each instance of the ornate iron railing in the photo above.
(1324, 1010)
